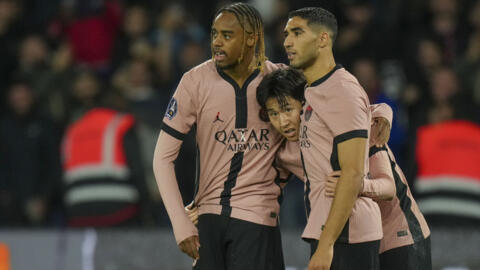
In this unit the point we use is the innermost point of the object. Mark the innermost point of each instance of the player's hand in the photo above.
(331, 184)
(380, 132)
(190, 246)
(322, 258)
(192, 212)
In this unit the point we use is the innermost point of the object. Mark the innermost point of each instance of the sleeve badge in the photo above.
(171, 109)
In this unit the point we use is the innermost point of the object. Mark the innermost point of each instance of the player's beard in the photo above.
(302, 65)
(305, 62)
(241, 60)
(228, 66)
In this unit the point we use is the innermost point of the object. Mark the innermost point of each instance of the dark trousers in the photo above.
(233, 244)
(417, 256)
(361, 256)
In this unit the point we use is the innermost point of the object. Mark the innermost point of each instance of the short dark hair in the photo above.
(318, 16)
(280, 84)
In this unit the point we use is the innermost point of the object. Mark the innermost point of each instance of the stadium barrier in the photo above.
(148, 249)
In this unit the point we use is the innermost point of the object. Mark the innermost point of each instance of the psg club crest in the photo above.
(308, 113)
(171, 109)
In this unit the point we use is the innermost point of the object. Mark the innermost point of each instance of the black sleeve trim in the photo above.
(358, 133)
(172, 132)
(374, 149)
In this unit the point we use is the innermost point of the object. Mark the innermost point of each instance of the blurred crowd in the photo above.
(59, 59)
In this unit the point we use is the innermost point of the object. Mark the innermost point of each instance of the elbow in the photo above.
(158, 164)
(160, 159)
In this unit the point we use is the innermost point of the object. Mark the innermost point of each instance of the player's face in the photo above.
(300, 43)
(227, 40)
(285, 119)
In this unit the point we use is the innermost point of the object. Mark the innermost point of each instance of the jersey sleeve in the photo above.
(345, 111)
(381, 184)
(382, 110)
(181, 111)
(178, 120)
(166, 152)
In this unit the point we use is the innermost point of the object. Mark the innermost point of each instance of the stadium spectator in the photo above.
(86, 92)
(103, 171)
(359, 36)
(29, 160)
(11, 31)
(469, 63)
(34, 63)
(448, 177)
(133, 39)
(91, 28)
(447, 102)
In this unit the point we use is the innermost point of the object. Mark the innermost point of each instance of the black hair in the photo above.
(317, 16)
(280, 84)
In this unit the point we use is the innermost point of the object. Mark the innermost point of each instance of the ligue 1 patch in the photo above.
(308, 113)
(171, 109)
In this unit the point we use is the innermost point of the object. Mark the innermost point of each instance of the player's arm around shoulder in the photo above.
(380, 185)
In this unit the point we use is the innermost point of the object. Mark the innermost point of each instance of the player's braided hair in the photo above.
(247, 14)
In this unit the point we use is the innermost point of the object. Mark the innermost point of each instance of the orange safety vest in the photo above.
(93, 149)
(448, 159)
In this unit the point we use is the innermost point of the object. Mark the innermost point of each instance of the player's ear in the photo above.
(323, 39)
(251, 40)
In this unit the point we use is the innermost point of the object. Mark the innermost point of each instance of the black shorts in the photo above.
(234, 244)
(361, 256)
(417, 256)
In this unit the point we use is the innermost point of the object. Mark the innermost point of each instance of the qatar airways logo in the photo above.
(243, 139)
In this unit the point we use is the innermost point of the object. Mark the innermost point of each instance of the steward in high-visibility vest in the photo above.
(448, 179)
(102, 187)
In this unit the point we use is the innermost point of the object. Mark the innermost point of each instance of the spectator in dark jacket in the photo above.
(29, 160)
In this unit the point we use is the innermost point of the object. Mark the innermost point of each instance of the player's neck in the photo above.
(242, 71)
(321, 67)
